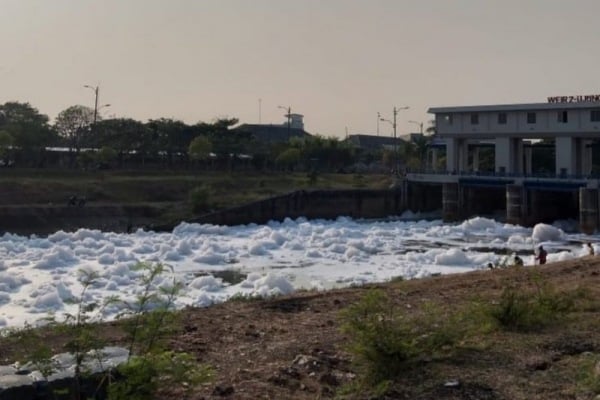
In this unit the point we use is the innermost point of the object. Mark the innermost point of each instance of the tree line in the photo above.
(78, 139)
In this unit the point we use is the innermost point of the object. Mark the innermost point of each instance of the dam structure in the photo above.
(531, 162)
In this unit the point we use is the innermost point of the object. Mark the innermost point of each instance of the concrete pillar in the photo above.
(528, 167)
(404, 195)
(584, 157)
(565, 155)
(587, 158)
(451, 155)
(503, 152)
(463, 156)
(434, 159)
(450, 205)
(588, 210)
(476, 159)
(517, 160)
(514, 204)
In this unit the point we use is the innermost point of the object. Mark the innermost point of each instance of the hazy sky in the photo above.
(338, 62)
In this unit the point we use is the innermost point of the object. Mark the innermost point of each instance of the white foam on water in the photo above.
(41, 275)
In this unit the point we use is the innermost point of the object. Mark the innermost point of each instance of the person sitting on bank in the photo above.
(590, 249)
(518, 261)
(541, 255)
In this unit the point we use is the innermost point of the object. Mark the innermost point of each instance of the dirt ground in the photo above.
(292, 347)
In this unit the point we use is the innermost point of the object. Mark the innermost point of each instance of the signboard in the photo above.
(574, 99)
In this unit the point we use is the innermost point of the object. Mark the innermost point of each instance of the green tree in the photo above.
(29, 129)
(106, 155)
(289, 158)
(73, 125)
(127, 137)
(200, 149)
(6, 142)
(170, 137)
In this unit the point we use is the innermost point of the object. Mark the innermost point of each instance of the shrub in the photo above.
(199, 199)
(150, 365)
(529, 309)
(386, 341)
(588, 376)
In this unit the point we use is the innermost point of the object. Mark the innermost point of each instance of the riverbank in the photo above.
(39, 202)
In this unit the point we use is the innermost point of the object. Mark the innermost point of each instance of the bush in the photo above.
(199, 199)
(588, 376)
(387, 342)
(523, 309)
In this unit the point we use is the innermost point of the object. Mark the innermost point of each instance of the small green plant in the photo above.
(149, 320)
(588, 377)
(33, 348)
(529, 309)
(200, 199)
(358, 181)
(386, 341)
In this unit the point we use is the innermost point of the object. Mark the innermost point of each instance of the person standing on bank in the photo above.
(541, 255)
(590, 249)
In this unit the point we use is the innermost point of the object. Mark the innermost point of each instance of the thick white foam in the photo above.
(40, 275)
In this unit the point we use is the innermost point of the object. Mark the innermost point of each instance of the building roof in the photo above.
(516, 107)
(372, 141)
(272, 133)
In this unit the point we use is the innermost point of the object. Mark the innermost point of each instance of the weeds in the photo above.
(200, 199)
(589, 373)
(387, 342)
(148, 319)
(530, 309)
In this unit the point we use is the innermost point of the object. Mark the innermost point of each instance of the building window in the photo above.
(531, 118)
(562, 117)
(502, 118)
(448, 119)
(595, 115)
(474, 119)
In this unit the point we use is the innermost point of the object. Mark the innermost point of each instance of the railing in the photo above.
(493, 174)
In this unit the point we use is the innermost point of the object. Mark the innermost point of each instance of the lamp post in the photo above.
(420, 124)
(396, 111)
(289, 116)
(378, 119)
(95, 89)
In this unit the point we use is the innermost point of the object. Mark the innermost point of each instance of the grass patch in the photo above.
(527, 308)
(387, 341)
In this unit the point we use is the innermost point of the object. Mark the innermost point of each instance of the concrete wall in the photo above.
(48, 219)
(314, 204)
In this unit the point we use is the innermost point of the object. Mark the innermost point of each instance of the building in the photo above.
(563, 131)
(372, 142)
(270, 133)
(512, 128)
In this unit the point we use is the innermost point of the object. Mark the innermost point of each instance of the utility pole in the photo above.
(378, 119)
(396, 111)
(95, 89)
(289, 119)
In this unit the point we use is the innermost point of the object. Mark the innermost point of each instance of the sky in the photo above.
(337, 62)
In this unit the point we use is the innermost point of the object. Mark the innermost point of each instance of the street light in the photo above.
(95, 89)
(396, 111)
(420, 125)
(289, 116)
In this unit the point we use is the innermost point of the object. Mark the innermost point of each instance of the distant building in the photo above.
(293, 127)
(571, 122)
(372, 142)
